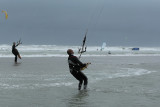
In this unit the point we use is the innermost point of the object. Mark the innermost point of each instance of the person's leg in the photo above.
(84, 77)
(19, 56)
(15, 58)
(80, 84)
(77, 76)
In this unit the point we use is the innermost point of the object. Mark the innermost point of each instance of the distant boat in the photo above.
(135, 49)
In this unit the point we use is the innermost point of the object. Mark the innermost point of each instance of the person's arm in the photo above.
(79, 62)
(17, 44)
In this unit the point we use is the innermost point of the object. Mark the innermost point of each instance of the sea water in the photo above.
(60, 51)
(128, 80)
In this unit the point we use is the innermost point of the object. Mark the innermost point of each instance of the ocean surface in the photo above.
(60, 51)
(124, 78)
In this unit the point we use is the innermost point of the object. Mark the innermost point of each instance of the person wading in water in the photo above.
(15, 51)
(75, 66)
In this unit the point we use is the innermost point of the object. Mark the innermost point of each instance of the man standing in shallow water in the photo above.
(15, 51)
(75, 69)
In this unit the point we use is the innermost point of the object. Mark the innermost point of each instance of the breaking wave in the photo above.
(60, 51)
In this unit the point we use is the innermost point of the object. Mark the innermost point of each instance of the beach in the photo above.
(120, 38)
(114, 81)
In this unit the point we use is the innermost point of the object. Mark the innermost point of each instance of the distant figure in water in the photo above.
(15, 51)
(75, 69)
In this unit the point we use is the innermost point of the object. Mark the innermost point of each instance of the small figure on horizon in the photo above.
(109, 52)
(15, 51)
(75, 66)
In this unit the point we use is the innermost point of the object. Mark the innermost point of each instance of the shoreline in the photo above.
(64, 56)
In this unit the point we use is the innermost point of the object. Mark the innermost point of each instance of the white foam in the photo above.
(60, 51)
(18, 81)
(34, 86)
(122, 73)
(53, 84)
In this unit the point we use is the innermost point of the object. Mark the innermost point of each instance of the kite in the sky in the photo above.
(6, 15)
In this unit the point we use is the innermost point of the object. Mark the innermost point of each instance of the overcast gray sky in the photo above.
(64, 22)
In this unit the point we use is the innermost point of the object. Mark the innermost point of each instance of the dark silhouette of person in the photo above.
(15, 51)
(75, 66)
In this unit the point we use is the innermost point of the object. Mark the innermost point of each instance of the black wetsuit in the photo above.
(15, 51)
(75, 65)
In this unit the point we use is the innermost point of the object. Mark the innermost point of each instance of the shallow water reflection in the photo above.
(78, 99)
(17, 64)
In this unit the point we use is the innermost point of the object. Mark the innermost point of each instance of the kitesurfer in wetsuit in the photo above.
(15, 51)
(75, 69)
